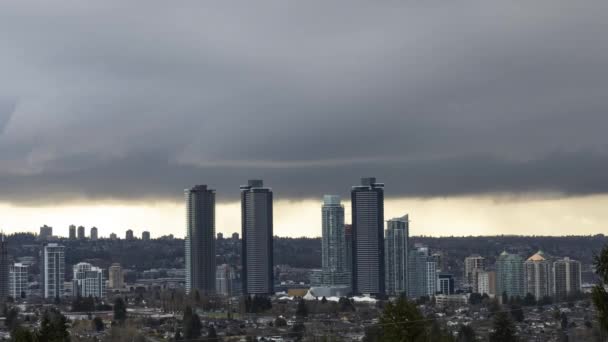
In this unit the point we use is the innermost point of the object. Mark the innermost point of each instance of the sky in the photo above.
(480, 117)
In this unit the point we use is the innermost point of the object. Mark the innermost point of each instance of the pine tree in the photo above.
(504, 329)
(120, 310)
(301, 310)
(599, 294)
(466, 334)
(402, 321)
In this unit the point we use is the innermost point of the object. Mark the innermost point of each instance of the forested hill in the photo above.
(302, 252)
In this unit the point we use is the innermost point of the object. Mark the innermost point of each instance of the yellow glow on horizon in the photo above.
(479, 215)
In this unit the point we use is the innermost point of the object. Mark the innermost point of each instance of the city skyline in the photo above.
(429, 106)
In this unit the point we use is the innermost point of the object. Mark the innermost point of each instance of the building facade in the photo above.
(368, 271)
(72, 235)
(145, 235)
(333, 243)
(88, 281)
(472, 266)
(53, 270)
(200, 240)
(537, 276)
(396, 240)
(4, 269)
(510, 275)
(422, 273)
(129, 234)
(257, 239)
(46, 233)
(116, 277)
(348, 239)
(225, 280)
(94, 234)
(81, 233)
(18, 280)
(486, 283)
(567, 277)
(445, 283)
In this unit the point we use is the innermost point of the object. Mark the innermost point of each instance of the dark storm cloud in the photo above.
(139, 100)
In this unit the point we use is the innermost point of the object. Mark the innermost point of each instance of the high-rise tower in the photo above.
(4, 274)
(200, 239)
(53, 272)
(367, 202)
(81, 233)
(566, 277)
(72, 232)
(333, 249)
(94, 234)
(510, 275)
(257, 245)
(537, 275)
(396, 241)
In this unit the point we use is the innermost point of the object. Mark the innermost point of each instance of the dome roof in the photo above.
(539, 256)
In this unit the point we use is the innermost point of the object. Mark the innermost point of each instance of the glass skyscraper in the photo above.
(367, 202)
(510, 275)
(396, 239)
(257, 235)
(53, 272)
(333, 244)
(200, 240)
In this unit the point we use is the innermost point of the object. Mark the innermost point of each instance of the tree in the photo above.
(564, 321)
(191, 324)
(211, 334)
(345, 304)
(475, 299)
(53, 327)
(120, 310)
(297, 331)
(517, 313)
(12, 318)
(529, 300)
(97, 324)
(401, 321)
(504, 329)
(599, 294)
(301, 310)
(21, 334)
(280, 322)
(466, 334)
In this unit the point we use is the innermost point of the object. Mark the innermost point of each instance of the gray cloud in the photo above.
(139, 100)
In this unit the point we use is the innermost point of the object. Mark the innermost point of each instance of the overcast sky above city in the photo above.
(480, 117)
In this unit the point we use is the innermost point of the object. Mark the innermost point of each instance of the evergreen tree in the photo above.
(212, 334)
(191, 324)
(504, 329)
(529, 300)
(21, 334)
(120, 310)
(466, 334)
(599, 294)
(12, 318)
(53, 327)
(97, 324)
(517, 313)
(302, 310)
(402, 321)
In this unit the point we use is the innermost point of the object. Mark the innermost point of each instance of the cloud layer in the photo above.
(142, 99)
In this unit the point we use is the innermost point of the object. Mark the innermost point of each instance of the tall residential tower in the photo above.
(396, 241)
(367, 202)
(257, 234)
(200, 240)
(333, 244)
(53, 270)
